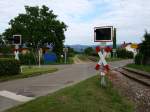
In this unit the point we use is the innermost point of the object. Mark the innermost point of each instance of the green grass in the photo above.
(86, 96)
(145, 68)
(28, 72)
(70, 60)
(82, 57)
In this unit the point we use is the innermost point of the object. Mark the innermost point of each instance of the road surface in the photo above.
(15, 92)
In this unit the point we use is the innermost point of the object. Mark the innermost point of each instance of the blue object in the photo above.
(50, 57)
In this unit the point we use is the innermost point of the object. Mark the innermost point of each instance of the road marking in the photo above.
(14, 96)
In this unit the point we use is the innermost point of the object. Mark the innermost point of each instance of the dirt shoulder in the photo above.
(77, 60)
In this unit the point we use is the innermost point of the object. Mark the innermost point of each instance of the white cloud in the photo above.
(130, 17)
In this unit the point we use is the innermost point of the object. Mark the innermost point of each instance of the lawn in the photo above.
(28, 72)
(86, 96)
(82, 57)
(145, 68)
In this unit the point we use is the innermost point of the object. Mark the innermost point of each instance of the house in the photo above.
(133, 47)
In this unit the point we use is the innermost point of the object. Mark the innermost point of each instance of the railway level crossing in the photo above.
(103, 34)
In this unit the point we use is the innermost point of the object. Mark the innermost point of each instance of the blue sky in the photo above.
(130, 17)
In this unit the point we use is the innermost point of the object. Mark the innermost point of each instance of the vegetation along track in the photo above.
(139, 76)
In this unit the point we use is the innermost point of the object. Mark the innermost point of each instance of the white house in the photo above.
(131, 47)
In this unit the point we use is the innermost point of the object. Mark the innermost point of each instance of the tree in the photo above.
(145, 48)
(123, 53)
(71, 52)
(1, 41)
(38, 26)
(89, 51)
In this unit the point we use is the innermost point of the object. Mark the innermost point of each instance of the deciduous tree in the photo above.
(38, 26)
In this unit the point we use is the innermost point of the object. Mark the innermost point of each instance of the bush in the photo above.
(89, 51)
(9, 66)
(71, 52)
(138, 59)
(5, 50)
(123, 53)
(129, 54)
(28, 59)
(145, 49)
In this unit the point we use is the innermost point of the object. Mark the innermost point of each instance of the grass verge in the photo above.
(86, 96)
(28, 72)
(83, 57)
(145, 68)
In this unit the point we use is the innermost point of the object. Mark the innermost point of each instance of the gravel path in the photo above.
(135, 91)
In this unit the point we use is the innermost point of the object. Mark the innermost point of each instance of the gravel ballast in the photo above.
(138, 93)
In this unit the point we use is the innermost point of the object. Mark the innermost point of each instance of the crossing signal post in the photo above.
(103, 34)
(114, 43)
(17, 39)
(65, 50)
(16, 42)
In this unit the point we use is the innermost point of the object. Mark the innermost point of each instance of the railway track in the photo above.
(139, 76)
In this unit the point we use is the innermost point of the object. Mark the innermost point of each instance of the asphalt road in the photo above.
(14, 92)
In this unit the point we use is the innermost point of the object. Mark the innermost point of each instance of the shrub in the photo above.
(5, 50)
(88, 51)
(138, 59)
(129, 54)
(28, 59)
(71, 52)
(123, 53)
(145, 49)
(9, 66)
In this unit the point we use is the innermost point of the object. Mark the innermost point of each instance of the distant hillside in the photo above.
(78, 48)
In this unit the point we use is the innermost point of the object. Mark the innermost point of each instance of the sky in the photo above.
(130, 17)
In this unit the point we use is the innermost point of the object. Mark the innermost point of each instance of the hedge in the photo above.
(28, 59)
(123, 53)
(138, 59)
(9, 66)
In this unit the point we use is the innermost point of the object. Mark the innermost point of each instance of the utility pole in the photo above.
(65, 50)
(39, 51)
(114, 44)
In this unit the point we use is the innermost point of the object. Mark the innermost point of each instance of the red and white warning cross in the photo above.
(102, 62)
